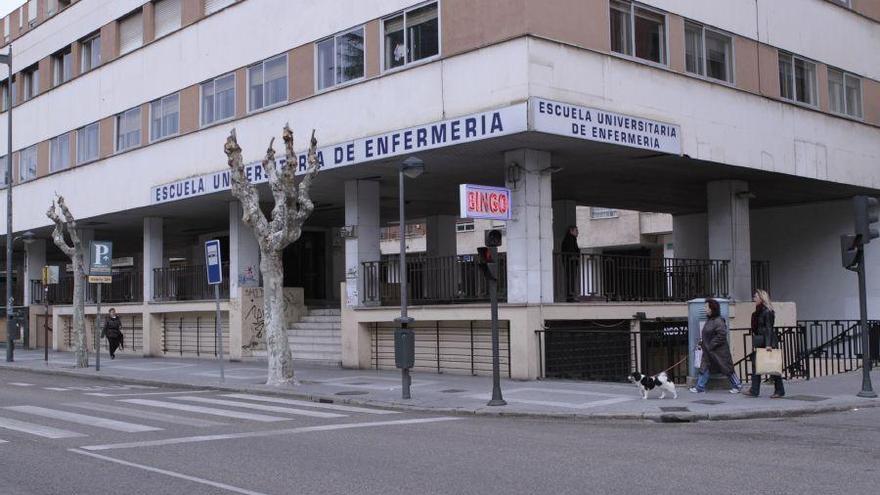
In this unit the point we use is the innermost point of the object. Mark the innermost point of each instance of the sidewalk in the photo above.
(457, 394)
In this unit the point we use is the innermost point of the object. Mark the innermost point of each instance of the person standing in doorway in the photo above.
(764, 335)
(716, 351)
(571, 263)
(113, 331)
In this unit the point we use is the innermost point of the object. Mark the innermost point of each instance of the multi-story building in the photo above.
(751, 123)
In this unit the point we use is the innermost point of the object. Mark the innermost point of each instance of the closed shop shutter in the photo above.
(131, 33)
(167, 17)
(212, 6)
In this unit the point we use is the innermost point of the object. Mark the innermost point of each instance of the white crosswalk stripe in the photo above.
(38, 430)
(21, 384)
(305, 403)
(83, 419)
(261, 407)
(206, 410)
(3, 441)
(141, 414)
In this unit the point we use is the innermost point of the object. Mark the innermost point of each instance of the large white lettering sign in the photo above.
(608, 127)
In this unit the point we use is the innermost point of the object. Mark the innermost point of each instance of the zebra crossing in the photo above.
(138, 415)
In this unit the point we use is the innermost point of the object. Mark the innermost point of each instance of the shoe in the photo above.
(748, 393)
(694, 390)
(112, 356)
(777, 396)
(734, 390)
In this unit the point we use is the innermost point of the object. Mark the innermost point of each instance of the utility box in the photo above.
(696, 320)
(404, 348)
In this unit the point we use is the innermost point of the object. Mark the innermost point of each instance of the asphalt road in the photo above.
(61, 435)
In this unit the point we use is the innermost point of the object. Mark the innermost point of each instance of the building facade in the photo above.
(722, 115)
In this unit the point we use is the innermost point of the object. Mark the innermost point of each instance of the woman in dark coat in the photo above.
(113, 331)
(764, 335)
(716, 351)
(571, 263)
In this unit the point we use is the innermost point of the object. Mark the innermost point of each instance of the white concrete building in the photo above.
(730, 116)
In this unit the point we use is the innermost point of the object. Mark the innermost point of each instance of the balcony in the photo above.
(186, 283)
(126, 286)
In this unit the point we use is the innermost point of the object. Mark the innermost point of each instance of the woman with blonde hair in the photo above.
(764, 335)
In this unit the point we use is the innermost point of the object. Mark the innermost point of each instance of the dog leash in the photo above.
(673, 366)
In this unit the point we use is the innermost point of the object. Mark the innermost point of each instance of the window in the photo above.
(340, 58)
(14, 96)
(62, 66)
(59, 155)
(131, 33)
(6, 29)
(90, 54)
(3, 171)
(212, 6)
(128, 129)
(167, 16)
(32, 13)
(51, 7)
(845, 3)
(164, 117)
(218, 99)
(464, 227)
(603, 213)
(20, 17)
(708, 53)
(27, 164)
(411, 36)
(31, 82)
(845, 93)
(4, 98)
(267, 83)
(638, 31)
(797, 79)
(87, 139)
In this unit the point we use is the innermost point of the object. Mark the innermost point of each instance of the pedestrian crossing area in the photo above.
(155, 414)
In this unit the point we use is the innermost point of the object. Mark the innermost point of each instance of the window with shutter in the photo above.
(131, 33)
(212, 6)
(167, 16)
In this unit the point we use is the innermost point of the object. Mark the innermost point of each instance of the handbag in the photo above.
(698, 357)
(768, 362)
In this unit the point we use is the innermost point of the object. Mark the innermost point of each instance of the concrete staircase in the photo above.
(317, 338)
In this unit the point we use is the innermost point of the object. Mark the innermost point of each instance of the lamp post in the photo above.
(27, 237)
(7, 59)
(404, 347)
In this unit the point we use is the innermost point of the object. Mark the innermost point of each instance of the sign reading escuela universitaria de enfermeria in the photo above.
(538, 114)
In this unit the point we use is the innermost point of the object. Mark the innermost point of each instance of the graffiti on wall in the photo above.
(253, 323)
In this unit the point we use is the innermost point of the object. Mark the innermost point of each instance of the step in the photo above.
(325, 312)
(314, 326)
(324, 339)
(316, 346)
(329, 341)
(314, 334)
(321, 319)
(323, 355)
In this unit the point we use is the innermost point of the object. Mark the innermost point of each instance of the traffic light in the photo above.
(484, 255)
(486, 259)
(867, 211)
(493, 238)
(850, 253)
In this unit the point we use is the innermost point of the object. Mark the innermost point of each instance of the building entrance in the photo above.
(305, 265)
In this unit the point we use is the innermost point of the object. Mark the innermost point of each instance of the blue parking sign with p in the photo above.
(213, 262)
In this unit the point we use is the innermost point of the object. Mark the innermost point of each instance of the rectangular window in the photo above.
(87, 142)
(32, 13)
(212, 6)
(6, 29)
(603, 212)
(131, 33)
(51, 7)
(4, 99)
(797, 79)
(27, 164)
(31, 82)
(3, 171)
(267, 83)
(845, 3)
(14, 95)
(707, 52)
(90, 55)
(638, 31)
(59, 153)
(694, 59)
(20, 17)
(340, 58)
(128, 129)
(844, 93)
(62, 66)
(464, 227)
(411, 36)
(164, 117)
(167, 16)
(218, 99)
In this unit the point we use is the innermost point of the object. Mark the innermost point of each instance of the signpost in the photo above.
(100, 272)
(50, 276)
(213, 262)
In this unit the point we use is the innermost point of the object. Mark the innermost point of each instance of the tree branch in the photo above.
(303, 198)
(244, 191)
(58, 232)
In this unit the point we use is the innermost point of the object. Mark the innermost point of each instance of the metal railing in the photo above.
(186, 283)
(637, 278)
(132, 330)
(431, 280)
(126, 286)
(186, 334)
(761, 275)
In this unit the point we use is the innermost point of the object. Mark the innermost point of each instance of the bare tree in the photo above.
(292, 207)
(75, 253)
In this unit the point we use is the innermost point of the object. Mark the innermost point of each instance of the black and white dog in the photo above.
(646, 383)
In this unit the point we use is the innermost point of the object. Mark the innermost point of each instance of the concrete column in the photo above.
(530, 231)
(440, 240)
(564, 216)
(153, 257)
(729, 233)
(689, 236)
(362, 213)
(244, 253)
(34, 260)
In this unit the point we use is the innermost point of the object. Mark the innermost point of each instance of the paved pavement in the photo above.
(457, 394)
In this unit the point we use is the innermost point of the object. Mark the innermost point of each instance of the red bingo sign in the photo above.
(484, 202)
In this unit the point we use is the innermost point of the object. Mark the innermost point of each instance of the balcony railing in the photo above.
(126, 286)
(431, 280)
(637, 278)
(186, 283)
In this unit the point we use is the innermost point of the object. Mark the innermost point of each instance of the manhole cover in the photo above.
(452, 391)
(352, 392)
(808, 398)
(708, 402)
(675, 409)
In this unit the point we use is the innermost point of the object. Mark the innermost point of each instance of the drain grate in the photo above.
(708, 402)
(352, 392)
(452, 391)
(807, 398)
(675, 409)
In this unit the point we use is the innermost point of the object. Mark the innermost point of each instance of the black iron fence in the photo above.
(637, 278)
(186, 283)
(431, 280)
(188, 334)
(132, 330)
(126, 286)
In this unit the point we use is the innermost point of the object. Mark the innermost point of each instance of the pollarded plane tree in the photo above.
(292, 207)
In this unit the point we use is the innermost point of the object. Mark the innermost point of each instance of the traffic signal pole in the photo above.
(867, 217)
(867, 389)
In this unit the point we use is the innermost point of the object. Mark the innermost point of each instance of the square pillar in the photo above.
(153, 257)
(530, 230)
(729, 233)
(440, 235)
(362, 213)
(34, 260)
(244, 253)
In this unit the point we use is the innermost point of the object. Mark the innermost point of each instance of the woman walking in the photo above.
(716, 351)
(113, 331)
(764, 335)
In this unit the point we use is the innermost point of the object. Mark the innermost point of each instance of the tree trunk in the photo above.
(280, 357)
(80, 349)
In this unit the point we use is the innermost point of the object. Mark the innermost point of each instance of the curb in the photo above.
(687, 417)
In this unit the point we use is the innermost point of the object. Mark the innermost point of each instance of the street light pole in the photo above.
(10, 350)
